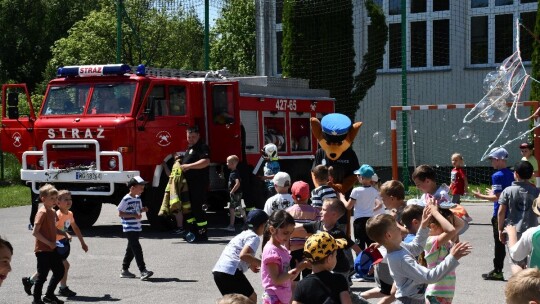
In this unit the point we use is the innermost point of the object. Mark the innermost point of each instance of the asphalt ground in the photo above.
(182, 271)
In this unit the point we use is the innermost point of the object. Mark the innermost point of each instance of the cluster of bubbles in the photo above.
(466, 133)
(501, 86)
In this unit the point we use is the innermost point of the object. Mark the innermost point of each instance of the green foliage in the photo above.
(234, 38)
(318, 45)
(24, 108)
(29, 29)
(151, 36)
(535, 60)
(373, 59)
(14, 195)
(11, 167)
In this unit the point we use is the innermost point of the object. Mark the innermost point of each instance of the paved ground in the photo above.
(183, 271)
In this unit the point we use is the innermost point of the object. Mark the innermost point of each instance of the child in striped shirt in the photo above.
(443, 229)
(320, 177)
(129, 210)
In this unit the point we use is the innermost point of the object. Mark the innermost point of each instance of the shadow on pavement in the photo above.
(165, 280)
(104, 298)
(360, 289)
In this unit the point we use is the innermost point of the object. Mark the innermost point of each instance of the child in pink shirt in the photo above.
(275, 267)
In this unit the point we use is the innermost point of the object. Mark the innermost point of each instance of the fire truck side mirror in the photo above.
(13, 105)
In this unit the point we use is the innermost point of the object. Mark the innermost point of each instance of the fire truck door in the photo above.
(16, 135)
(223, 121)
(165, 132)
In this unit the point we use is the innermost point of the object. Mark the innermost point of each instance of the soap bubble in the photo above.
(505, 134)
(465, 132)
(379, 138)
(455, 137)
(475, 138)
(490, 80)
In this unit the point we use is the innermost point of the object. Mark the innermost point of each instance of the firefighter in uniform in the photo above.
(195, 166)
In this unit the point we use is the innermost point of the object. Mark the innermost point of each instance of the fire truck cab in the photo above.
(100, 125)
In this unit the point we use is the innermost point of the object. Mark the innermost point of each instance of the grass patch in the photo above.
(14, 195)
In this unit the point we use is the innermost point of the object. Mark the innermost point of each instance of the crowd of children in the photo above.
(419, 240)
(303, 248)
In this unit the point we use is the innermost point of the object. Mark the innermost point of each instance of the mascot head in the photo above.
(335, 133)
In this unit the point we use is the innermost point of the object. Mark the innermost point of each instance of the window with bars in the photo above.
(427, 32)
(492, 34)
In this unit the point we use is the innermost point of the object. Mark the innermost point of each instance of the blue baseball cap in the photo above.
(498, 153)
(365, 171)
(256, 217)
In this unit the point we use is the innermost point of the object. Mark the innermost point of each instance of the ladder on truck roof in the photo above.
(252, 85)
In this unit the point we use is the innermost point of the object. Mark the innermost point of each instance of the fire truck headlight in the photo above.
(41, 162)
(112, 163)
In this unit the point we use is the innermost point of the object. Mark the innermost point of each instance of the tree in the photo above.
(373, 58)
(152, 36)
(233, 45)
(29, 30)
(318, 45)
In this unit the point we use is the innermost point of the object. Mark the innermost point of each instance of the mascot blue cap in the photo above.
(335, 127)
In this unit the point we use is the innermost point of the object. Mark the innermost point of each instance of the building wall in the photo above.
(459, 82)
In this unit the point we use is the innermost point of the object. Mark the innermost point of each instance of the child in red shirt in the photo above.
(458, 179)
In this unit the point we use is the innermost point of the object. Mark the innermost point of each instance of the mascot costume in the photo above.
(335, 134)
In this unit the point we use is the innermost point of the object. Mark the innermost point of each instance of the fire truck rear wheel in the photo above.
(85, 213)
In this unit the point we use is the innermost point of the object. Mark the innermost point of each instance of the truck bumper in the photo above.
(87, 180)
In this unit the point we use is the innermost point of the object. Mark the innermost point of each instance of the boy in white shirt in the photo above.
(365, 200)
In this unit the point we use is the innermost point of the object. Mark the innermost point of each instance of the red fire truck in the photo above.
(100, 125)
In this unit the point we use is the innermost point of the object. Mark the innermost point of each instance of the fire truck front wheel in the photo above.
(85, 212)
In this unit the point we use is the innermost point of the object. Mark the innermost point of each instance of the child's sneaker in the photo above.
(145, 274)
(126, 274)
(27, 284)
(230, 228)
(357, 298)
(30, 227)
(66, 292)
(52, 299)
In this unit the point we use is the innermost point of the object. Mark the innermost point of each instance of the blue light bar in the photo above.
(93, 70)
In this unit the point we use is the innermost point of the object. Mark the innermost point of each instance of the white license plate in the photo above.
(88, 176)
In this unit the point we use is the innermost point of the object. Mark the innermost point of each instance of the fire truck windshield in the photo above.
(106, 98)
(65, 100)
(111, 98)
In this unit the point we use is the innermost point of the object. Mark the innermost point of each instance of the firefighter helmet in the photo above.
(270, 151)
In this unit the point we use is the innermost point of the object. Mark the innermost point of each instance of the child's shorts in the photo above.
(236, 200)
(237, 283)
(383, 278)
(408, 300)
(64, 251)
(438, 300)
